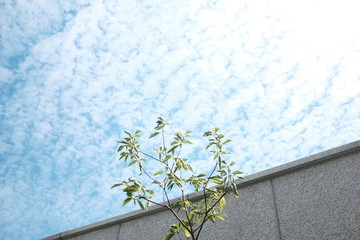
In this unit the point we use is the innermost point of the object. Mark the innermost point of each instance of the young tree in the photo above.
(177, 172)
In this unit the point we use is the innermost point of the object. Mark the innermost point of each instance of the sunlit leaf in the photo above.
(167, 158)
(169, 236)
(126, 201)
(121, 147)
(234, 188)
(157, 173)
(151, 192)
(222, 203)
(187, 233)
(131, 189)
(132, 162)
(154, 134)
(214, 129)
(209, 145)
(173, 148)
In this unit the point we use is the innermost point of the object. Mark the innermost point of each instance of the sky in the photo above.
(280, 78)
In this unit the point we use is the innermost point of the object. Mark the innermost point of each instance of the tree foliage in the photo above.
(176, 172)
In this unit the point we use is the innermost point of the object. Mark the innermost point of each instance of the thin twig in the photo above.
(156, 203)
(150, 156)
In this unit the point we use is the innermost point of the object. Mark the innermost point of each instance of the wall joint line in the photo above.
(118, 235)
(276, 209)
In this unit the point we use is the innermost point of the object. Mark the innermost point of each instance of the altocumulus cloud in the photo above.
(279, 78)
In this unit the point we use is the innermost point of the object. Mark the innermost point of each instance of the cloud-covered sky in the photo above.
(280, 78)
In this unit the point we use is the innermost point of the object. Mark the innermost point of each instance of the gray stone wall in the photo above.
(317, 197)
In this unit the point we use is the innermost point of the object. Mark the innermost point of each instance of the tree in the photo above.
(176, 172)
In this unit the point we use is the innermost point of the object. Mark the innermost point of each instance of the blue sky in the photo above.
(280, 78)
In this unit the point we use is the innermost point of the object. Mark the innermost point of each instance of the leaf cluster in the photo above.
(213, 186)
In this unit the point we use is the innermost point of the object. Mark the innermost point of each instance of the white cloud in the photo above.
(280, 84)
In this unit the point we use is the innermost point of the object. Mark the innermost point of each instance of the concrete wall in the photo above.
(317, 197)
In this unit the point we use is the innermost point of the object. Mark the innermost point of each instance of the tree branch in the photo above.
(206, 215)
(156, 203)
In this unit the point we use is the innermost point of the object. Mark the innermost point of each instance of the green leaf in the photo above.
(169, 236)
(237, 172)
(234, 188)
(121, 147)
(170, 185)
(187, 203)
(216, 181)
(151, 192)
(167, 158)
(214, 130)
(174, 228)
(187, 233)
(126, 201)
(222, 203)
(123, 154)
(209, 145)
(157, 173)
(225, 152)
(191, 215)
(131, 163)
(206, 134)
(227, 140)
(116, 185)
(173, 148)
(154, 134)
(131, 189)
(141, 204)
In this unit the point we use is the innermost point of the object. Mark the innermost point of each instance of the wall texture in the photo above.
(317, 197)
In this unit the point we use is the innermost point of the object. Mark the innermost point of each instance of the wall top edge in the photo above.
(304, 162)
(267, 174)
